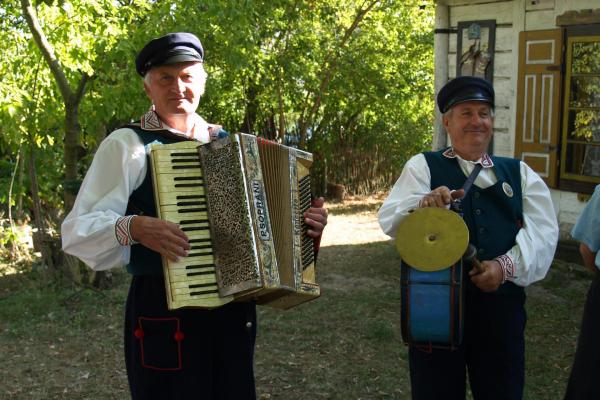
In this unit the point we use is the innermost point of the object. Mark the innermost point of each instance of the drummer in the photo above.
(512, 224)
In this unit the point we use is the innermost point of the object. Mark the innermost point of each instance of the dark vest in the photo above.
(492, 216)
(144, 261)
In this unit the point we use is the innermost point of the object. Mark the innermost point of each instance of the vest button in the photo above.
(478, 211)
(477, 195)
(481, 251)
(481, 230)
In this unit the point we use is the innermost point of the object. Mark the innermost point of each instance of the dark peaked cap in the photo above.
(169, 49)
(465, 88)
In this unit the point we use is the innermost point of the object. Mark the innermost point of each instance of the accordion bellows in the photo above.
(241, 201)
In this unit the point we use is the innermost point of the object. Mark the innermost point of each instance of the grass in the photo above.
(64, 342)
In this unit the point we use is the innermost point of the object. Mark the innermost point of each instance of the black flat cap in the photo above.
(465, 88)
(169, 49)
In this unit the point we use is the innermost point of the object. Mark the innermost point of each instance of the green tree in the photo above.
(59, 48)
(325, 75)
(349, 80)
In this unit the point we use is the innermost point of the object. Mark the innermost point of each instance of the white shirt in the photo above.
(533, 252)
(118, 168)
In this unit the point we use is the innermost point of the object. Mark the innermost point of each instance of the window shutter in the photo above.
(539, 85)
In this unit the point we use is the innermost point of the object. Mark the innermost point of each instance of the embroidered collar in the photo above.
(485, 161)
(152, 122)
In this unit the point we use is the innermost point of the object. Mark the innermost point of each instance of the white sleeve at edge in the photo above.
(88, 231)
(536, 241)
(409, 189)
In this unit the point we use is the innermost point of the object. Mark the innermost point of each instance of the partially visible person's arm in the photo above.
(89, 231)
(589, 257)
(409, 189)
(587, 232)
(530, 258)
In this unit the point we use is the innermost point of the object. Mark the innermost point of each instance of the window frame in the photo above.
(568, 180)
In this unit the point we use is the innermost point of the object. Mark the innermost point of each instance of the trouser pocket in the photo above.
(159, 341)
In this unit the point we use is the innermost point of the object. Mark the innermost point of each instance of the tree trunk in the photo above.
(71, 154)
(19, 212)
(74, 269)
(251, 110)
(41, 240)
(281, 134)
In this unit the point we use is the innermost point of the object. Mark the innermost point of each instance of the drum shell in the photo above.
(432, 306)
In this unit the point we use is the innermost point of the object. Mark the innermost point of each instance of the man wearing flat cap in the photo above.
(512, 225)
(185, 353)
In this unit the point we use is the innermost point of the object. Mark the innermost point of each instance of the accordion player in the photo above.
(240, 200)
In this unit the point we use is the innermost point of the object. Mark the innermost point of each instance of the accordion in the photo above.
(240, 200)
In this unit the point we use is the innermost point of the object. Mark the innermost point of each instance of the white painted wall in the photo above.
(512, 17)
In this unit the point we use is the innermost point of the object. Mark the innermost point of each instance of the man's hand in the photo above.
(161, 236)
(589, 257)
(440, 197)
(316, 218)
(490, 279)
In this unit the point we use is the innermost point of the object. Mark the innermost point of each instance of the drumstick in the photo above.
(471, 256)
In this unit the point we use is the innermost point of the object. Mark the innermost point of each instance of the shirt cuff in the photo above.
(122, 230)
(508, 267)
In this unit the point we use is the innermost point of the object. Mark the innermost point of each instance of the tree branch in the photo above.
(81, 88)
(331, 64)
(47, 51)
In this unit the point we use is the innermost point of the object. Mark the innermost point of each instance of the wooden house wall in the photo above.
(512, 17)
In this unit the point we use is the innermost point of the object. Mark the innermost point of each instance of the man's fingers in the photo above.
(439, 197)
(490, 279)
(316, 227)
(164, 237)
(457, 194)
(319, 202)
(316, 218)
(178, 237)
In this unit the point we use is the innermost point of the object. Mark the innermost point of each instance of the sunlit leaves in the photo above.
(268, 63)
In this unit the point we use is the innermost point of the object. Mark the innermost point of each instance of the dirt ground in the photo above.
(60, 342)
(357, 227)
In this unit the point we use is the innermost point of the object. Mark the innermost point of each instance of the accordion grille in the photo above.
(231, 225)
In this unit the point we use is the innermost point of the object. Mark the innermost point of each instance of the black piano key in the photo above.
(204, 288)
(193, 228)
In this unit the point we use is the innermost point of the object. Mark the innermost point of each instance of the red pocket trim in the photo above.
(139, 334)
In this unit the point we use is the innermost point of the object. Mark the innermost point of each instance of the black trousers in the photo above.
(187, 353)
(582, 381)
(492, 352)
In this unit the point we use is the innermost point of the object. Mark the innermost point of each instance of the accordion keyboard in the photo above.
(179, 185)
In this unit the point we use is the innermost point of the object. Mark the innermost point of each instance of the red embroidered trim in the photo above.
(122, 231)
(178, 337)
(508, 267)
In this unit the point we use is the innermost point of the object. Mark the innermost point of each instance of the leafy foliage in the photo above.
(349, 80)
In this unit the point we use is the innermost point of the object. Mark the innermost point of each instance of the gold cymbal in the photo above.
(432, 238)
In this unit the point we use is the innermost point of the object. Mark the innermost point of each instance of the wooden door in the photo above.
(539, 87)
